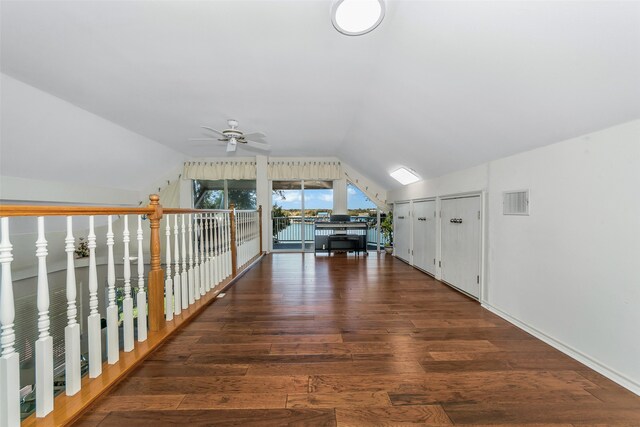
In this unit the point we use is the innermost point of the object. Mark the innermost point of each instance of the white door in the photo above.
(461, 243)
(402, 231)
(424, 235)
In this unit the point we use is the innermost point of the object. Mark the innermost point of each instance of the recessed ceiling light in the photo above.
(404, 176)
(357, 17)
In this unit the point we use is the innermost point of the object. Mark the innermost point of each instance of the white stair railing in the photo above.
(168, 282)
(196, 269)
(142, 296)
(184, 276)
(215, 252)
(206, 247)
(207, 253)
(72, 330)
(177, 288)
(127, 302)
(192, 280)
(9, 358)
(44, 344)
(93, 322)
(113, 343)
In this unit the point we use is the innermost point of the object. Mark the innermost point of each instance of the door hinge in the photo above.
(434, 214)
(439, 263)
(478, 214)
(478, 279)
(411, 251)
(434, 261)
(440, 213)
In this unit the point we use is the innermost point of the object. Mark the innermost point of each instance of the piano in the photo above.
(340, 234)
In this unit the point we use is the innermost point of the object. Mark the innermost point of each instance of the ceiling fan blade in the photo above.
(212, 130)
(254, 135)
(202, 139)
(260, 145)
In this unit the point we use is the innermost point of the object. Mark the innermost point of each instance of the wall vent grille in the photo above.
(515, 202)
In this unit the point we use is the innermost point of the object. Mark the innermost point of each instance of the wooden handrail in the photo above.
(39, 210)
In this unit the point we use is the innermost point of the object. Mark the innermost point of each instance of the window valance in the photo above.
(305, 170)
(219, 170)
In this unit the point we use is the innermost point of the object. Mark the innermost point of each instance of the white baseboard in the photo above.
(597, 366)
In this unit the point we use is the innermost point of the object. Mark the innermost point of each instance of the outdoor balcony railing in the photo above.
(291, 229)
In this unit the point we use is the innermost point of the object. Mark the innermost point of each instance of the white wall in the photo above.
(44, 138)
(568, 271)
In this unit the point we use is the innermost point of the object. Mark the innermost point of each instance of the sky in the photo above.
(321, 199)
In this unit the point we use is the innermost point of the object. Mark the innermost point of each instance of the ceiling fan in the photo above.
(234, 136)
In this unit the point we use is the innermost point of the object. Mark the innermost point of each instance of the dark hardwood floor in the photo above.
(357, 341)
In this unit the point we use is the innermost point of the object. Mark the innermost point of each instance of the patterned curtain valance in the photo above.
(305, 170)
(219, 170)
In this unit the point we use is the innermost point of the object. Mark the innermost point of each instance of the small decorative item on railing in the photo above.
(82, 251)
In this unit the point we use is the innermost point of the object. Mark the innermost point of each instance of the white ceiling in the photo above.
(439, 86)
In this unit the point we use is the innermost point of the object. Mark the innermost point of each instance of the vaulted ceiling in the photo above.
(439, 86)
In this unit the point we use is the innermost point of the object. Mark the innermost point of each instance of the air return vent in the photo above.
(515, 202)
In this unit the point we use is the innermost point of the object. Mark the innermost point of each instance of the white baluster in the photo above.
(238, 226)
(141, 298)
(127, 302)
(177, 289)
(168, 281)
(229, 243)
(184, 277)
(207, 261)
(243, 230)
(196, 267)
(113, 343)
(192, 285)
(243, 238)
(213, 271)
(219, 251)
(44, 344)
(222, 247)
(9, 358)
(72, 330)
(93, 322)
(203, 279)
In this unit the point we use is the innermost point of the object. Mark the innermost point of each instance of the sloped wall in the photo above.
(53, 143)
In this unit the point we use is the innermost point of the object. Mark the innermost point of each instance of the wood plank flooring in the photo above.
(357, 341)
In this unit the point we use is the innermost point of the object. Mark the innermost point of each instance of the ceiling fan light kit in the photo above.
(234, 136)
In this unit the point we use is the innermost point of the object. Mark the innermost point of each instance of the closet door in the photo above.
(402, 231)
(461, 243)
(424, 235)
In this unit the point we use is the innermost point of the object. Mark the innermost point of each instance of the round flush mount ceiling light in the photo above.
(357, 17)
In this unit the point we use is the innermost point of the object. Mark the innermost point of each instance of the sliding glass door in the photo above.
(297, 205)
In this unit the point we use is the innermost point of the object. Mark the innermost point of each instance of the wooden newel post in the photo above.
(234, 248)
(156, 275)
(260, 224)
